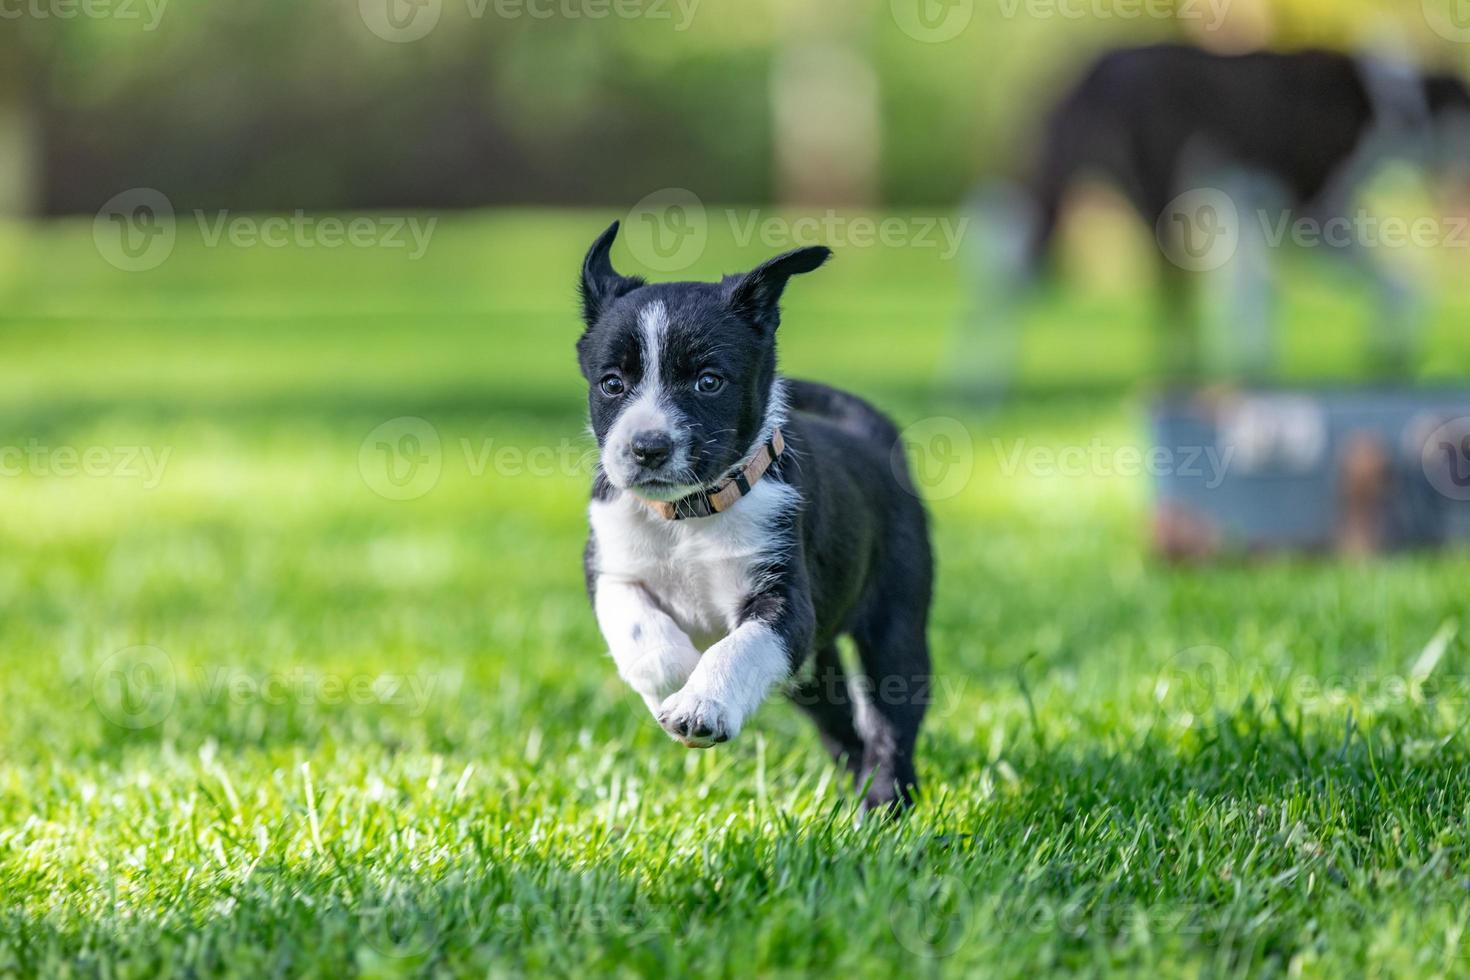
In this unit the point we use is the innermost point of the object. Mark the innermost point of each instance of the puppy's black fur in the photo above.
(846, 554)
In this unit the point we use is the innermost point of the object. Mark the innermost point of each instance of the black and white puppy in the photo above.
(741, 523)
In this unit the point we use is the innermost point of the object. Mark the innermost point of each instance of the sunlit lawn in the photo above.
(266, 710)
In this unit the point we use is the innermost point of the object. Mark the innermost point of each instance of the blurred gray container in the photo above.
(1327, 470)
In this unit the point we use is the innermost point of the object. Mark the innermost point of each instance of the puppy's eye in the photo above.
(612, 386)
(708, 383)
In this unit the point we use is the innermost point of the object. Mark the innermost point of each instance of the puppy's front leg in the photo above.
(653, 655)
(732, 679)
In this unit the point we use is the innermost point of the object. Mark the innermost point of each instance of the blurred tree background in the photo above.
(277, 104)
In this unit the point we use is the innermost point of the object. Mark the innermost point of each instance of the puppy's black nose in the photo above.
(651, 448)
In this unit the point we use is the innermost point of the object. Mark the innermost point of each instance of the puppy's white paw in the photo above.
(698, 721)
(661, 670)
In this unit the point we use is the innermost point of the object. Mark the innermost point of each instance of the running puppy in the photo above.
(741, 523)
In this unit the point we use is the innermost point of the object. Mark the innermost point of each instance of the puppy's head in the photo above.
(680, 374)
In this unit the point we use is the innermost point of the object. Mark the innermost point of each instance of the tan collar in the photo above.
(722, 496)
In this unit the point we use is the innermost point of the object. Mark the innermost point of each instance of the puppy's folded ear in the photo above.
(757, 294)
(601, 284)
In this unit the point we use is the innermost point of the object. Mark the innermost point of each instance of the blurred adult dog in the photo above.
(742, 522)
(1292, 134)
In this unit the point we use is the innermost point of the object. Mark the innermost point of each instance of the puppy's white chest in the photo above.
(700, 571)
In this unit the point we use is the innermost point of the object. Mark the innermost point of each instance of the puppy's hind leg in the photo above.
(894, 654)
(827, 699)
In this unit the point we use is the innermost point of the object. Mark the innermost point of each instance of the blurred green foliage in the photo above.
(278, 105)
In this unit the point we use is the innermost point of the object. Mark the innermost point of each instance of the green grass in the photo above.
(258, 718)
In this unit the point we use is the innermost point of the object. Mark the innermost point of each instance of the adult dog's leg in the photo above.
(1398, 327)
(1180, 343)
(1243, 291)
